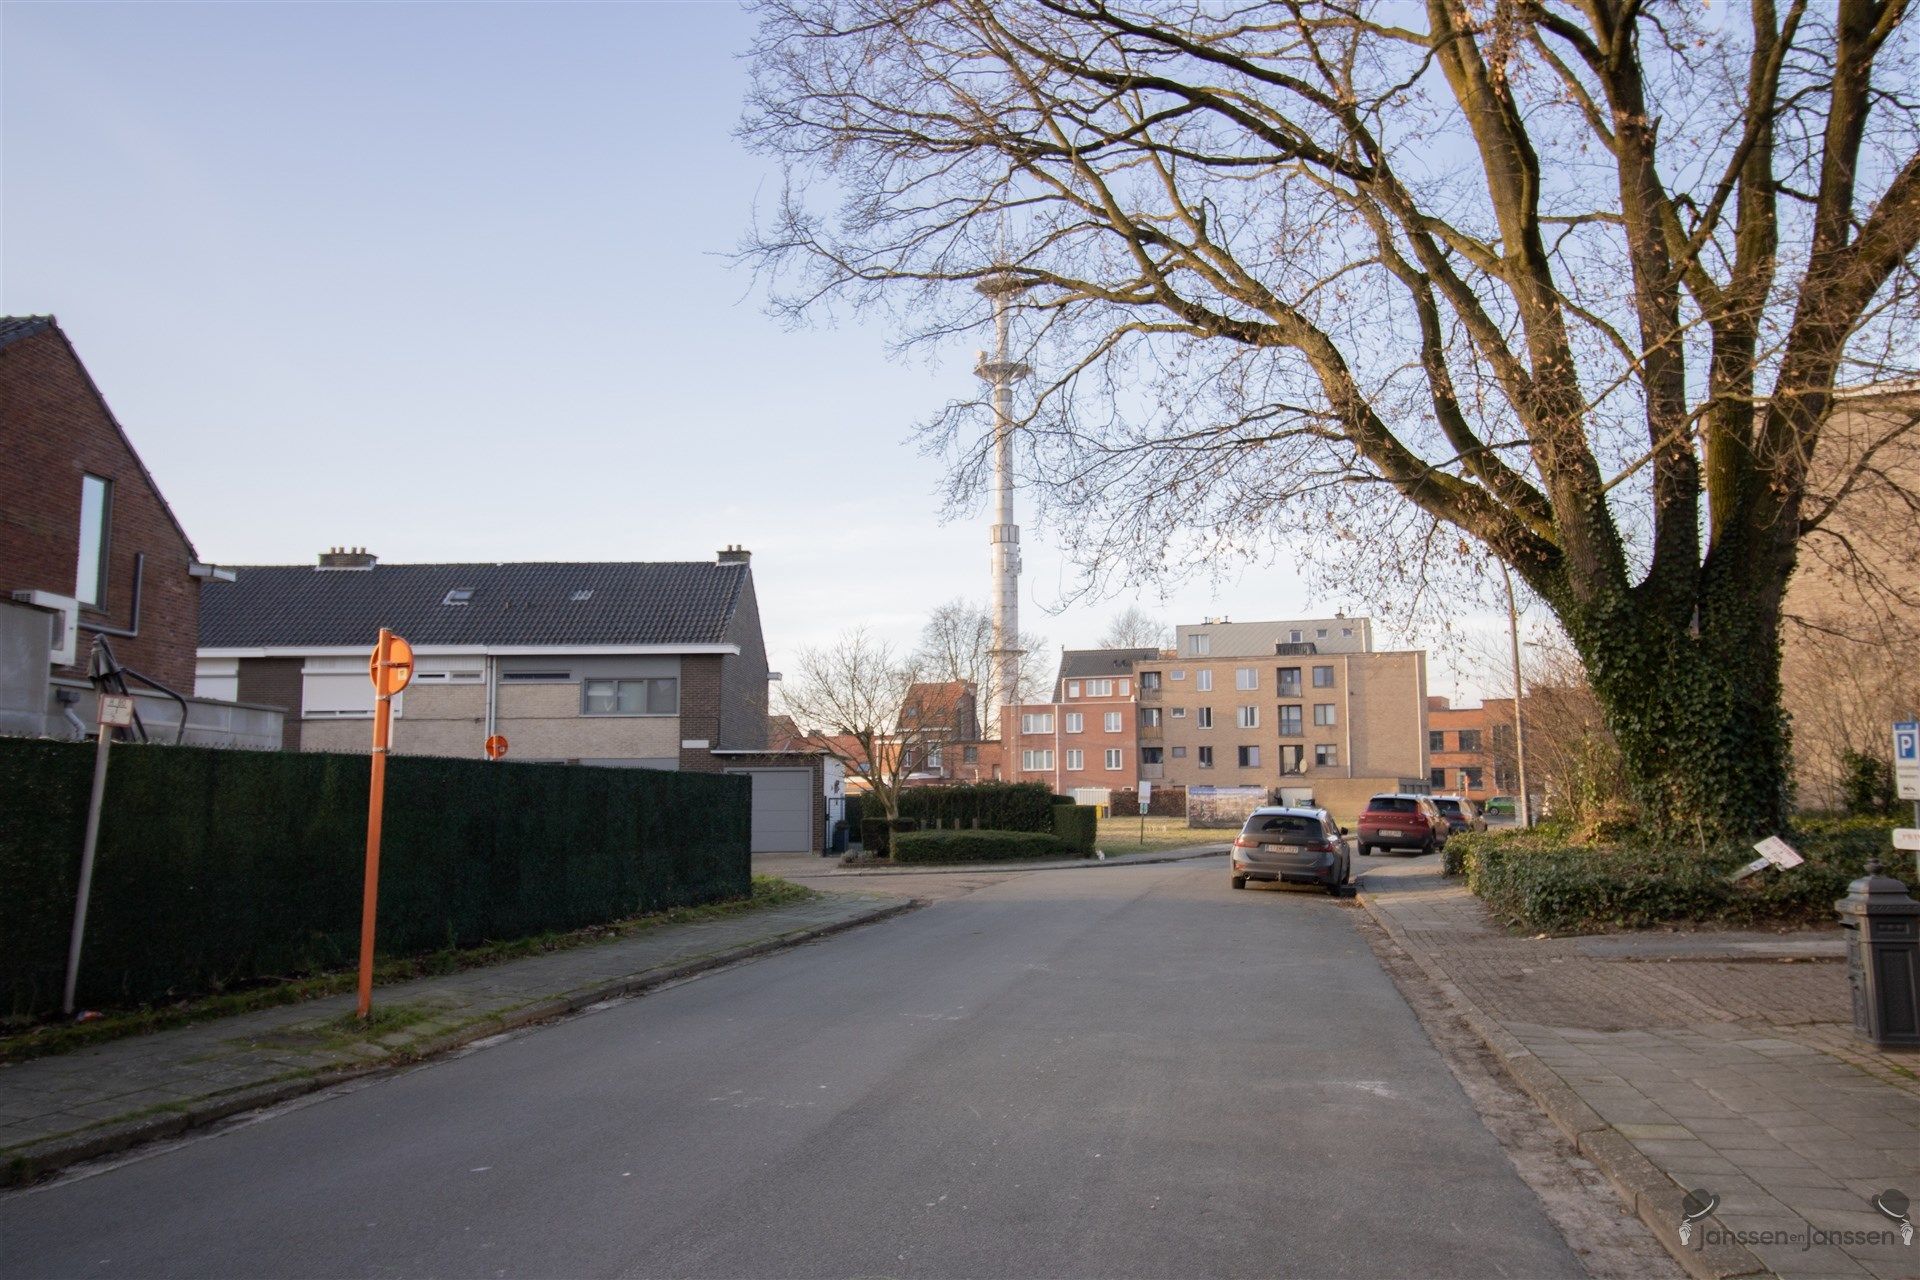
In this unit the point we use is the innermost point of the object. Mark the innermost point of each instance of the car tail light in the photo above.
(1241, 842)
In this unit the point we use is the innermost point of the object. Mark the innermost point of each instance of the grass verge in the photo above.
(1122, 834)
(36, 1040)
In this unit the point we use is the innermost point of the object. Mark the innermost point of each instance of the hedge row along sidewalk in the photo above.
(1677, 1061)
(55, 1111)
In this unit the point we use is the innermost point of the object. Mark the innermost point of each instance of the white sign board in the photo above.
(1907, 838)
(1906, 759)
(116, 711)
(1778, 852)
(1146, 795)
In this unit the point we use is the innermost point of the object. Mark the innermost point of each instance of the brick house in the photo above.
(90, 548)
(621, 664)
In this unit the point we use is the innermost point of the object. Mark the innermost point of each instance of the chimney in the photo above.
(347, 558)
(732, 554)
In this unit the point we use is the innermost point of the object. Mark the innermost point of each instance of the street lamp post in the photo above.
(1525, 812)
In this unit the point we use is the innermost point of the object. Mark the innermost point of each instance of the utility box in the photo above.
(1883, 959)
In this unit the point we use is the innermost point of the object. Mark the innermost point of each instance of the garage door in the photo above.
(782, 809)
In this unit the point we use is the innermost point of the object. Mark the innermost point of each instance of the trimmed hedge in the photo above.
(995, 806)
(972, 846)
(1076, 826)
(218, 868)
(1536, 881)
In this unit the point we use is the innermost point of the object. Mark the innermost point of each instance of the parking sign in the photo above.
(1906, 759)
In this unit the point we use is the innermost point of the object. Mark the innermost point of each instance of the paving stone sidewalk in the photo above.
(67, 1107)
(1724, 1062)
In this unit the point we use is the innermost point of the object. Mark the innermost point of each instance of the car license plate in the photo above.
(1385, 832)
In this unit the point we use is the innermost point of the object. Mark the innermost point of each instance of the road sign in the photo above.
(1907, 838)
(496, 746)
(1774, 852)
(1906, 759)
(116, 711)
(396, 672)
(1146, 796)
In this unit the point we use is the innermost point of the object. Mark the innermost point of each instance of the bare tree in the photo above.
(957, 644)
(849, 697)
(1575, 280)
(1135, 628)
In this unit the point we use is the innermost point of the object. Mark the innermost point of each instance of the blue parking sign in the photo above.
(1906, 759)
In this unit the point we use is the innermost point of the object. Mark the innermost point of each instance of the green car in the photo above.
(1498, 807)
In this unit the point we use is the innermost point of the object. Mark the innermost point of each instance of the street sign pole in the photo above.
(390, 670)
(114, 712)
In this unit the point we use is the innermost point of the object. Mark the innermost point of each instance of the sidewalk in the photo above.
(814, 865)
(1723, 1062)
(57, 1110)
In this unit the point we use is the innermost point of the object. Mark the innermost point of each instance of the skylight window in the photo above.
(585, 593)
(459, 595)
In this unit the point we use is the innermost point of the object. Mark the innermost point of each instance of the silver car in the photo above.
(1300, 846)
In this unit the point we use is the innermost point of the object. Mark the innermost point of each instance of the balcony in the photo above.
(1152, 772)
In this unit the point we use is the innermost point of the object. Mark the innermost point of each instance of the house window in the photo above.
(1206, 717)
(1436, 739)
(1289, 678)
(1037, 722)
(650, 697)
(1099, 688)
(1178, 673)
(96, 508)
(1469, 739)
(1206, 757)
(933, 758)
(1325, 754)
(338, 688)
(1290, 721)
(1247, 717)
(423, 673)
(1246, 678)
(970, 755)
(1203, 680)
(1321, 633)
(1179, 713)
(1120, 687)
(1073, 688)
(1295, 636)
(1036, 761)
(536, 677)
(1149, 717)
(1249, 757)
(459, 595)
(1075, 722)
(1198, 646)
(1112, 721)
(1150, 755)
(1323, 713)
(1470, 779)
(1438, 777)
(1149, 682)
(1323, 677)
(1113, 758)
(1293, 758)
(1179, 753)
(1076, 760)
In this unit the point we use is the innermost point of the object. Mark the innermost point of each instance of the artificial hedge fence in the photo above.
(972, 846)
(995, 806)
(217, 867)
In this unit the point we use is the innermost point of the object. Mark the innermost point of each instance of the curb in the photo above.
(35, 1162)
(1084, 864)
(1653, 1197)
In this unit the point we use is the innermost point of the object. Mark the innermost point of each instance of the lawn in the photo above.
(1122, 834)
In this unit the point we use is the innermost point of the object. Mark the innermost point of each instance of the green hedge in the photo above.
(876, 833)
(996, 806)
(1536, 880)
(218, 868)
(1076, 826)
(972, 846)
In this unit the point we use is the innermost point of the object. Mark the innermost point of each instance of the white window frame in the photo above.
(1113, 759)
(1036, 722)
(1203, 680)
(1076, 760)
(1177, 673)
(1199, 645)
(1076, 722)
(1247, 756)
(1099, 688)
(1036, 761)
(1150, 717)
(1325, 713)
(1204, 759)
(1112, 723)
(1246, 677)
(1179, 713)
(1204, 718)
(1120, 688)
(1325, 755)
(1247, 717)
(1073, 688)
(334, 688)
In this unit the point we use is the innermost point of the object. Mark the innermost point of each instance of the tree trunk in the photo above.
(1696, 708)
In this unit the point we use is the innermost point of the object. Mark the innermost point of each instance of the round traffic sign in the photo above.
(398, 672)
(496, 746)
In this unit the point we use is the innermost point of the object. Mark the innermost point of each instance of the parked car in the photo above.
(1397, 820)
(1460, 814)
(1502, 807)
(1299, 846)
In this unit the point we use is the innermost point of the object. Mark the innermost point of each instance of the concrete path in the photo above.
(1723, 1062)
(1134, 1074)
(812, 866)
(67, 1107)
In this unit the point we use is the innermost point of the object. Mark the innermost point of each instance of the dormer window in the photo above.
(459, 595)
(585, 593)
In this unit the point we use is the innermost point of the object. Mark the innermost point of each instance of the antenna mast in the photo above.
(1004, 539)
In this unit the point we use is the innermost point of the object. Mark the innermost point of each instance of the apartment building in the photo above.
(1470, 749)
(1088, 735)
(1219, 638)
(1326, 727)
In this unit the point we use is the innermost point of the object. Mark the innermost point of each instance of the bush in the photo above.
(1867, 786)
(997, 806)
(217, 868)
(1075, 826)
(876, 834)
(972, 846)
(1538, 880)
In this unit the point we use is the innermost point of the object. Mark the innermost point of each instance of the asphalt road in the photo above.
(1131, 1071)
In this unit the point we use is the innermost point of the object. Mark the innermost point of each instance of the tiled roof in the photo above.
(1078, 664)
(14, 328)
(608, 603)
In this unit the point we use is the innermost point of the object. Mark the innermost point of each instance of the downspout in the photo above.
(1346, 678)
(491, 670)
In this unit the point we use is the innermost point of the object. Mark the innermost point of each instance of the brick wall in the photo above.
(701, 677)
(55, 429)
(743, 679)
(274, 682)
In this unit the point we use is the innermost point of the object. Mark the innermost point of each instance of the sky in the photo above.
(452, 281)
